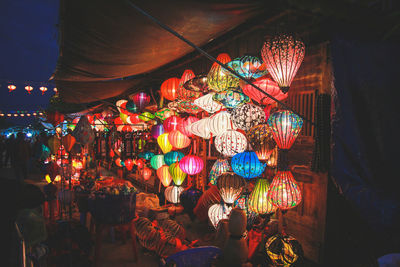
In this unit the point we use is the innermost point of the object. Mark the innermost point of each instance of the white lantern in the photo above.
(200, 128)
(100, 125)
(230, 142)
(220, 122)
(207, 103)
(119, 103)
(172, 193)
(248, 115)
(218, 212)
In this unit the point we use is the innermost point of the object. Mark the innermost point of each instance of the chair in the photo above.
(193, 257)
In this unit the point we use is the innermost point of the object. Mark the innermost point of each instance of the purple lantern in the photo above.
(157, 130)
(141, 100)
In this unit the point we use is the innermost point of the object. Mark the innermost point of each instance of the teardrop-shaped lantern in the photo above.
(169, 88)
(208, 104)
(178, 176)
(231, 97)
(230, 142)
(284, 192)
(268, 86)
(249, 67)
(141, 100)
(191, 164)
(258, 200)
(164, 143)
(178, 139)
(172, 193)
(283, 55)
(230, 186)
(157, 130)
(157, 161)
(246, 116)
(172, 123)
(247, 165)
(218, 212)
(220, 166)
(172, 157)
(188, 121)
(146, 173)
(261, 140)
(285, 126)
(217, 78)
(164, 175)
(183, 93)
(220, 122)
(200, 128)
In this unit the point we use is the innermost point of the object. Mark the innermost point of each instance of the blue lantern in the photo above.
(247, 165)
(172, 157)
(146, 155)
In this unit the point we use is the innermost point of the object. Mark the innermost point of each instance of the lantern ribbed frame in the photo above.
(172, 157)
(191, 164)
(183, 93)
(218, 212)
(273, 158)
(220, 166)
(283, 250)
(172, 123)
(200, 128)
(208, 104)
(164, 143)
(230, 186)
(230, 142)
(220, 122)
(247, 165)
(247, 116)
(217, 79)
(249, 67)
(164, 175)
(141, 100)
(169, 88)
(261, 140)
(178, 139)
(188, 121)
(268, 86)
(284, 192)
(172, 193)
(178, 176)
(258, 200)
(285, 126)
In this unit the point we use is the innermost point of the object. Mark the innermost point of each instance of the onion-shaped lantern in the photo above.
(258, 200)
(191, 164)
(285, 126)
(283, 250)
(172, 157)
(146, 116)
(157, 130)
(284, 192)
(164, 175)
(261, 140)
(246, 116)
(249, 67)
(197, 84)
(169, 88)
(208, 104)
(220, 166)
(220, 122)
(183, 93)
(268, 86)
(141, 100)
(218, 212)
(164, 143)
(172, 123)
(172, 193)
(146, 173)
(157, 161)
(230, 186)
(230, 143)
(188, 121)
(178, 139)
(217, 78)
(283, 56)
(231, 98)
(178, 176)
(247, 165)
(200, 128)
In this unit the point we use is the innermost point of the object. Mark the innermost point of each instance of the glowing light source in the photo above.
(220, 122)
(261, 140)
(220, 166)
(230, 142)
(178, 139)
(191, 164)
(218, 212)
(247, 165)
(157, 161)
(172, 123)
(172, 193)
(164, 144)
(285, 126)
(178, 176)
(28, 88)
(268, 86)
(172, 157)
(258, 200)
(284, 192)
(164, 175)
(11, 87)
(230, 186)
(217, 78)
(246, 116)
(169, 88)
(43, 89)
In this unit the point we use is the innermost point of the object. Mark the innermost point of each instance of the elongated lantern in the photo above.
(169, 88)
(283, 55)
(178, 176)
(217, 78)
(200, 128)
(172, 157)
(220, 122)
(157, 161)
(178, 139)
(249, 67)
(164, 175)
(220, 166)
(191, 164)
(172, 123)
(268, 86)
(230, 143)
(246, 116)
(188, 121)
(247, 165)
(258, 200)
(164, 144)
(261, 140)
(284, 192)
(208, 104)
(218, 212)
(172, 193)
(230, 186)
(285, 126)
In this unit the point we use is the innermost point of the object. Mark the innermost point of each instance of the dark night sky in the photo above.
(28, 52)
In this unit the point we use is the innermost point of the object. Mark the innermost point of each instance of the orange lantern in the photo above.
(178, 139)
(28, 88)
(118, 161)
(68, 141)
(146, 173)
(140, 163)
(43, 89)
(164, 143)
(11, 87)
(55, 90)
(164, 175)
(54, 118)
(169, 88)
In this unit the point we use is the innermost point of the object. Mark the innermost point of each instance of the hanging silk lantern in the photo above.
(119, 162)
(146, 155)
(119, 104)
(43, 89)
(246, 116)
(230, 186)
(178, 176)
(220, 166)
(133, 118)
(29, 89)
(217, 78)
(128, 164)
(157, 161)
(164, 113)
(186, 106)
(230, 143)
(208, 104)
(172, 193)
(124, 117)
(146, 116)
(172, 157)
(172, 123)
(188, 121)
(200, 128)
(283, 250)
(261, 140)
(247, 165)
(11, 88)
(220, 122)
(268, 86)
(218, 212)
(100, 125)
(178, 139)
(283, 55)
(157, 130)
(272, 161)
(258, 200)
(285, 126)
(169, 88)
(164, 144)
(68, 141)
(197, 84)
(231, 98)
(183, 93)
(131, 107)
(284, 192)
(141, 100)
(146, 173)
(191, 164)
(164, 175)
(249, 67)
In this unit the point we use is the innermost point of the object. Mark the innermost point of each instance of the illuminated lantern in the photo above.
(178, 176)
(191, 164)
(164, 144)
(230, 186)
(230, 143)
(134, 118)
(208, 104)
(121, 103)
(184, 94)
(146, 173)
(54, 118)
(258, 200)
(164, 175)
(172, 157)
(141, 143)
(139, 163)
(246, 116)
(28, 88)
(146, 116)
(218, 212)
(178, 139)
(118, 121)
(119, 162)
(283, 56)
(220, 166)
(68, 141)
(164, 113)
(273, 158)
(220, 122)
(169, 88)
(100, 125)
(157, 161)
(186, 106)
(146, 155)
(131, 107)
(124, 117)
(200, 128)
(11, 87)
(283, 250)
(217, 78)
(188, 121)
(268, 86)
(128, 164)
(157, 130)
(197, 84)
(43, 89)
(247, 66)
(141, 100)
(172, 193)
(284, 192)
(285, 126)
(172, 123)
(261, 140)
(231, 98)
(55, 90)
(247, 165)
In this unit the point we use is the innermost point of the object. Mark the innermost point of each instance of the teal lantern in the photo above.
(172, 157)
(250, 67)
(157, 161)
(146, 155)
(231, 98)
(131, 107)
(247, 165)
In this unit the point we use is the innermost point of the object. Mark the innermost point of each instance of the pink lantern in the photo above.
(185, 123)
(178, 139)
(141, 100)
(191, 164)
(268, 86)
(172, 123)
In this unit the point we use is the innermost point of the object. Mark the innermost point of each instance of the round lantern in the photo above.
(183, 93)
(178, 139)
(285, 126)
(261, 140)
(217, 78)
(283, 250)
(231, 98)
(230, 186)
(258, 200)
(146, 173)
(283, 55)
(218, 212)
(172, 193)
(157, 161)
(249, 67)
(164, 144)
(197, 84)
(247, 165)
(208, 104)
(284, 192)
(172, 123)
(128, 164)
(140, 163)
(246, 116)
(230, 143)
(209, 197)
(188, 121)
(220, 166)
(164, 175)
(178, 176)
(200, 128)
(172, 157)
(141, 100)
(157, 130)
(191, 164)
(268, 86)
(169, 88)
(220, 122)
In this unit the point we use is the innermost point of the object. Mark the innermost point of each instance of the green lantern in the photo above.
(146, 116)
(157, 161)
(178, 176)
(218, 80)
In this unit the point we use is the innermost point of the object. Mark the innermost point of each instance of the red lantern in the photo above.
(284, 192)
(172, 123)
(178, 139)
(68, 141)
(146, 173)
(28, 88)
(43, 89)
(118, 121)
(140, 163)
(128, 164)
(11, 87)
(169, 88)
(54, 118)
(118, 161)
(133, 119)
(191, 164)
(268, 86)
(185, 123)
(112, 154)
(141, 100)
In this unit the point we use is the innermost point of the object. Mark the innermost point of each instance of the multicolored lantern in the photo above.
(283, 56)
(146, 173)
(172, 123)
(231, 98)
(119, 162)
(261, 140)
(191, 164)
(178, 176)
(172, 193)
(178, 139)
(157, 161)
(197, 84)
(183, 93)
(169, 88)
(247, 165)
(121, 105)
(258, 200)
(164, 175)
(218, 212)
(249, 67)
(246, 116)
(172, 157)
(283, 250)
(220, 166)
(186, 106)
(157, 130)
(284, 192)
(230, 186)
(200, 128)
(164, 143)
(217, 78)
(146, 116)
(230, 143)
(220, 122)
(268, 86)
(141, 100)
(188, 121)
(208, 104)
(285, 126)
(164, 113)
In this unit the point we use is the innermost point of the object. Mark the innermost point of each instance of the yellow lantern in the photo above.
(178, 139)
(177, 174)
(219, 80)
(164, 143)
(258, 200)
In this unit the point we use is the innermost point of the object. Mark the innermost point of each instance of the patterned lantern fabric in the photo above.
(172, 157)
(186, 122)
(141, 100)
(268, 86)
(164, 143)
(246, 116)
(247, 67)
(283, 56)
(247, 165)
(146, 116)
(164, 113)
(207, 103)
(218, 212)
(231, 98)
(191, 164)
(169, 88)
(183, 93)
(258, 200)
(197, 84)
(164, 175)
(200, 128)
(157, 161)
(157, 130)
(131, 107)
(230, 143)
(217, 79)
(284, 192)
(187, 106)
(230, 186)
(220, 166)
(172, 193)
(172, 123)
(285, 126)
(178, 176)
(261, 140)
(178, 139)
(83, 132)
(220, 122)
(283, 250)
